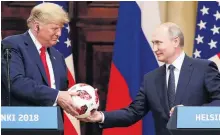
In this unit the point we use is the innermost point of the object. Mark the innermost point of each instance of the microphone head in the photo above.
(6, 49)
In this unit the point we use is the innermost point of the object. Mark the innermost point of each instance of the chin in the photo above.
(53, 43)
(160, 59)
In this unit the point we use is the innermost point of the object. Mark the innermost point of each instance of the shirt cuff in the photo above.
(103, 117)
(55, 103)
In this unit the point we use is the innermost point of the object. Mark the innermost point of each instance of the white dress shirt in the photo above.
(177, 64)
(38, 46)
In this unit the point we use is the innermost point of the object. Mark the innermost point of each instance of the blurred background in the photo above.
(92, 34)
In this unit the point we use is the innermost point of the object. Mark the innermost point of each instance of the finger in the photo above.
(93, 112)
(71, 109)
(67, 110)
(89, 119)
(73, 112)
(83, 119)
(73, 93)
(96, 89)
(171, 111)
(170, 114)
(74, 109)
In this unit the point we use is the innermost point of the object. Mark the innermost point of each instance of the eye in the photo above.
(159, 42)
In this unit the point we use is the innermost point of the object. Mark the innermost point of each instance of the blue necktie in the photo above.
(171, 87)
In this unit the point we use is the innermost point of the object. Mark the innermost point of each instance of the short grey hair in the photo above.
(175, 31)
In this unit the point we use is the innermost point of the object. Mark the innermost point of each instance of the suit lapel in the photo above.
(161, 87)
(55, 67)
(32, 50)
(184, 78)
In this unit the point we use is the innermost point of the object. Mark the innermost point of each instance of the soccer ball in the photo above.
(87, 100)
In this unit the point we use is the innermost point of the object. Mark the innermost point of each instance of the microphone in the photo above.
(7, 57)
(7, 51)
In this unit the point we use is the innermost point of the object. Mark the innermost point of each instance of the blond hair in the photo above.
(48, 13)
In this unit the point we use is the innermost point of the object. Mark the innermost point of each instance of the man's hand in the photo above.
(96, 116)
(64, 100)
(172, 109)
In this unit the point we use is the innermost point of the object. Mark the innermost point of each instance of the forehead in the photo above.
(55, 25)
(160, 33)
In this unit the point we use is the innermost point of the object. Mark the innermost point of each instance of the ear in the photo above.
(36, 27)
(176, 41)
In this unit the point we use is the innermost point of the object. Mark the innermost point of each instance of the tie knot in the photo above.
(43, 49)
(171, 67)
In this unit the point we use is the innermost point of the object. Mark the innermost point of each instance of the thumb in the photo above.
(96, 89)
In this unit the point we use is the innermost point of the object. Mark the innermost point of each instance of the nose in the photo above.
(58, 33)
(155, 48)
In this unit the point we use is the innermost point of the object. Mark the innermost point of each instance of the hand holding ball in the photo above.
(86, 101)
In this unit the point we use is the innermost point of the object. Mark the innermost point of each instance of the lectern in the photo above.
(31, 121)
(195, 120)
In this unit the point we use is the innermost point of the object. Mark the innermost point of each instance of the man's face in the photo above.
(48, 34)
(163, 46)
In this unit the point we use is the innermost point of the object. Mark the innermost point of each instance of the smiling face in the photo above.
(48, 34)
(164, 46)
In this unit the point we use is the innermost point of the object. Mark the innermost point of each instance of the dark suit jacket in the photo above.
(199, 84)
(29, 84)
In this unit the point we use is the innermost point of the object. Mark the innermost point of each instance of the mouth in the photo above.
(158, 55)
(55, 40)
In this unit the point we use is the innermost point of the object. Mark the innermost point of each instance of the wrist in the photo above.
(102, 117)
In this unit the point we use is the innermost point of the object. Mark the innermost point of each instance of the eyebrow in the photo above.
(156, 41)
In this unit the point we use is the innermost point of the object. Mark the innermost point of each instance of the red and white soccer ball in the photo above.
(86, 101)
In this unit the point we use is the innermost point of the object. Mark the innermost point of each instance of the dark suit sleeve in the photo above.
(212, 84)
(128, 116)
(23, 87)
(66, 83)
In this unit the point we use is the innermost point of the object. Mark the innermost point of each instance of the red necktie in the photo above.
(44, 61)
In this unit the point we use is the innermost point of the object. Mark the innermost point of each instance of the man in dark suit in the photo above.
(180, 81)
(37, 70)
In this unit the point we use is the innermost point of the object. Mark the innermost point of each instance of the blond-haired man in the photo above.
(38, 72)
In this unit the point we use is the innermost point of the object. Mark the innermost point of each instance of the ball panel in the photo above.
(87, 100)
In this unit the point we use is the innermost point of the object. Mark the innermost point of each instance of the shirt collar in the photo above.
(36, 42)
(178, 62)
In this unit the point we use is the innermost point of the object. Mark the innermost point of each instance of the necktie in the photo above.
(44, 61)
(171, 87)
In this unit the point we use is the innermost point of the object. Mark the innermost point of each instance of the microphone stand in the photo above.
(7, 56)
